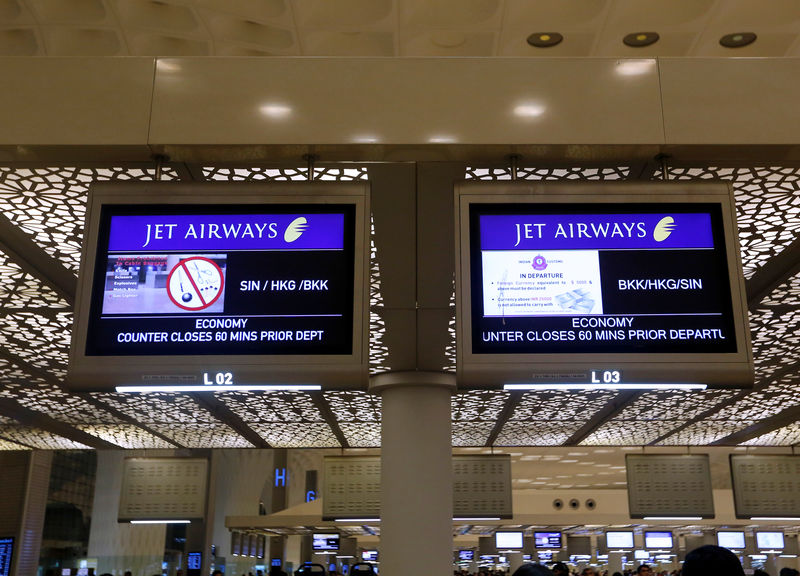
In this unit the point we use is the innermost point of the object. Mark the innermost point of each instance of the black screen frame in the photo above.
(348, 370)
(477, 370)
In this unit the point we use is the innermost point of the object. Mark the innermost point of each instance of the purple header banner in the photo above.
(219, 232)
(596, 231)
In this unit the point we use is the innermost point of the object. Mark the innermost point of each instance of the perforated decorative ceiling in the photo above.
(388, 27)
(47, 203)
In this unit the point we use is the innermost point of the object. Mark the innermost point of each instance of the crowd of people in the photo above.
(704, 561)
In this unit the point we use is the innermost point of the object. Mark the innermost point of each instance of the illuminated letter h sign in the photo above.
(280, 477)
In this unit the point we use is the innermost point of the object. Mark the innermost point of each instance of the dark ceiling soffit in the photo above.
(772, 274)
(50, 379)
(607, 412)
(330, 418)
(702, 416)
(776, 422)
(122, 417)
(777, 375)
(32, 259)
(221, 412)
(35, 419)
(505, 414)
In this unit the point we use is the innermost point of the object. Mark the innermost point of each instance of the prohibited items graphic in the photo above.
(195, 283)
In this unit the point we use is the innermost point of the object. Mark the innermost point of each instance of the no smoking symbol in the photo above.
(195, 283)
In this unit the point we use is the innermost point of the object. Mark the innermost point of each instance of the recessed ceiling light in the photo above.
(640, 39)
(545, 39)
(737, 40)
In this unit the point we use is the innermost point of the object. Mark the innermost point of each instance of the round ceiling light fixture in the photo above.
(640, 39)
(737, 40)
(545, 39)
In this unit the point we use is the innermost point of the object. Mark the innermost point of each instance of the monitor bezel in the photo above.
(327, 535)
(759, 532)
(671, 537)
(498, 546)
(629, 532)
(337, 371)
(560, 540)
(717, 370)
(741, 532)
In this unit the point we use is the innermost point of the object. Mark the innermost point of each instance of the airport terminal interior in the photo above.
(411, 450)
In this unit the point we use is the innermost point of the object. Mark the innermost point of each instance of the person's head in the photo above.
(617, 574)
(560, 569)
(712, 560)
(533, 570)
(786, 571)
(589, 571)
(644, 570)
(759, 572)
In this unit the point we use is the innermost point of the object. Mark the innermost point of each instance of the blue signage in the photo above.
(223, 232)
(596, 231)
(6, 554)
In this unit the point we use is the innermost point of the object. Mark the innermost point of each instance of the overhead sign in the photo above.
(609, 282)
(211, 284)
(610, 279)
(6, 555)
(258, 281)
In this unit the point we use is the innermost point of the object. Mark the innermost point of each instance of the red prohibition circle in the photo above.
(182, 264)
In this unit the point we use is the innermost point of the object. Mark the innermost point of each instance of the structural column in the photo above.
(514, 561)
(416, 471)
(614, 562)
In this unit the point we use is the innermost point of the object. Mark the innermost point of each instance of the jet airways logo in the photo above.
(664, 228)
(295, 229)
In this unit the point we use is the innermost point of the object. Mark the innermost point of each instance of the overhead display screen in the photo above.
(619, 540)
(731, 540)
(221, 280)
(508, 540)
(194, 563)
(586, 281)
(466, 555)
(658, 539)
(325, 542)
(547, 539)
(769, 540)
(600, 276)
(6, 554)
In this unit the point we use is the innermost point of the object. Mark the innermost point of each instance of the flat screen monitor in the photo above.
(325, 542)
(369, 555)
(657, 540)
(275, 562)
(545, 540)
(194, 564)
(204, 285)
(66, 572)
(6, 555)
(545, 555)
(508, 540)
(641, 555)
(769, 540)
(600, 285)
(732, 540)
(466, 555)
(619, 540)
